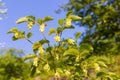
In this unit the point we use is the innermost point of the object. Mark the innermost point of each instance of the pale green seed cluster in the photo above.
(57, 38)
(30, 24)
(42, 28)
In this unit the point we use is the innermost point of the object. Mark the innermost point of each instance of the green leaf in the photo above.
(77, 35)
(74, 17)
(101, 63)
(84, 53)
(61, 22)
(13, 30)
(48, 49)
(69, 13)
(100, 74)
(29, 35)
(40, 21)
(52, 30)
(70, 27)
(21, 20)
(47, 18)
(30, 56)
(14, 38)
(71, 51)
(59, 30)
(36, 45)
(31, 18)
(43, 41)
(33, 70)
(85, 46)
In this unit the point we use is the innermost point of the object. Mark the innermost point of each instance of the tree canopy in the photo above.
(102, 20)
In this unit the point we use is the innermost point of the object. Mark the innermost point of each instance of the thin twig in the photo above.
(28, 40)
(50, 54)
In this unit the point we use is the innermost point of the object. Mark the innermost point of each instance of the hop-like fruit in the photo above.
(16, 35)
(30, 24)
(40, 49)
(68, 22)
(35, 62)
(46, 67)
(57, 38)
(71, 41)
(42, 28)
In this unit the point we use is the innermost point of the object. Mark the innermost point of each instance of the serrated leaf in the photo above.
(13, 30)
(30, 56)
(43, 41)
(74, 17)
(71, 51)
(29, 35)
(32, 18)
(21, 20)
(52, 30)
(77, 35)
(47, 18)
(40, 21)
(61, 22)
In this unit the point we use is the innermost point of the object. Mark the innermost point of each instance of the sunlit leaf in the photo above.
(52, 30)
(13, 30)
(74, 17)
(21, 20)
(71, 51)
(61, 22)
(47, 18)
(29, 56)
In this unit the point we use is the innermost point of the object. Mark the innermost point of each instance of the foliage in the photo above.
(12, 65)
(102, 20)
(67, 59)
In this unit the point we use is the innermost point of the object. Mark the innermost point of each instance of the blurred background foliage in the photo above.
(102, 20)
(13, 66)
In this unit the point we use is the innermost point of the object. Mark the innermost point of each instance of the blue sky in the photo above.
(38, 8)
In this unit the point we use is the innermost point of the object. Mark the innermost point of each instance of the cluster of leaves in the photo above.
(12, 65)
(102, 19)
(66, 59)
